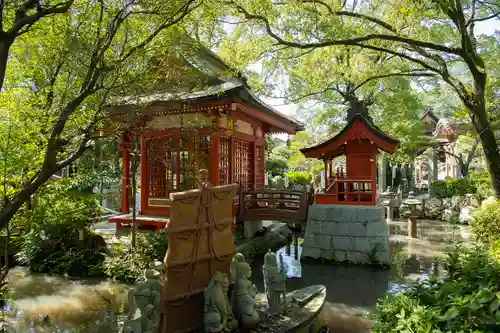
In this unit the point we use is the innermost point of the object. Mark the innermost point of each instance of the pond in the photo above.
(76, 305)
(352, 289)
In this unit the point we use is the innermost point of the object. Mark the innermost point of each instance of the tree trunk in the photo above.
(11, 207)
(5, 44)
(490, 146)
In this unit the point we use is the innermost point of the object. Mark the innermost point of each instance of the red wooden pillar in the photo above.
(125, 173)
(373, 164)
(326, 174)
(232, 175)
(144, 173)
(215, 160)
(255, 165)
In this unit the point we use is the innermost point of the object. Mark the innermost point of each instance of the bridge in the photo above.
(283, 205)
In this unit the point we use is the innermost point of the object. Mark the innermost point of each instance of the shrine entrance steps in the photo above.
(283, 205)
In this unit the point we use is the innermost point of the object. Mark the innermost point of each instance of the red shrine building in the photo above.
(220, 128)
(354, 151)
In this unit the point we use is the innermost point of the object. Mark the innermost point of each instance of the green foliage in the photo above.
(51, 244)
(452, 186)
(128, 265)
(300, 177)
(283, 157)
(482, 183)
(466, 298)
(276, 166)
(486, 222)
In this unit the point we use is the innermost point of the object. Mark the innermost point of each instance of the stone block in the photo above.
(342, 243)
(314, 227)
(310, 252)
(329, 228)
(357, 257)
(376, 228)
(340, 256)
(324, 241)
(318, 212)
(328, 254)
(362, 244)
(363, 215)
(309, 240)
(357, 229)
(380, 242)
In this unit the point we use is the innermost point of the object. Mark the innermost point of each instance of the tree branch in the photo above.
(382, 76)
(349, 41)
(22, 20)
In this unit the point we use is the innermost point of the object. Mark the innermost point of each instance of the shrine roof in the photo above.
(218, 82)
(380, 139)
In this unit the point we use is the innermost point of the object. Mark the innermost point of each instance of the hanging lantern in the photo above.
(288, 141)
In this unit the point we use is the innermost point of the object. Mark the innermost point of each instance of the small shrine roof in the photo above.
(353, 130)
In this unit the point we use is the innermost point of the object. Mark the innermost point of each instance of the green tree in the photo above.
(64, 71)
(432, 38)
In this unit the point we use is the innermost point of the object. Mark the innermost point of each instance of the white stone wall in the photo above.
(356, 234)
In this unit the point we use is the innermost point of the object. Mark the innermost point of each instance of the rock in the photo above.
(448, 215)
(472, 200)
(458, 202)
(447, 203)
(157, 265)
(433, 208)
(466, 214)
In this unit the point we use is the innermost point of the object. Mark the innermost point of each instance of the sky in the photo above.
(292, 110)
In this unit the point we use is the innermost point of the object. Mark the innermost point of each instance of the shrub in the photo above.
(465, 298)
(52, 243)
(300, 177)
(481, 181)
(486, 222)
(128, 265)
(451, 187)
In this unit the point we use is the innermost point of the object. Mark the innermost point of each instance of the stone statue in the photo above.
(244, 272)
(218, 315)
(238, 257)
(244, 305)
(274, 283)
(144, 305)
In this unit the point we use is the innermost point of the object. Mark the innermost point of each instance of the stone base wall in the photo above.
(341, 233)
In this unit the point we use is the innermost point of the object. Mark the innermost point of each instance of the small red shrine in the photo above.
(353, 182)
(220, 128)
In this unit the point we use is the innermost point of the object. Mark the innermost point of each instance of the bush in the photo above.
(481, 181)
(300, 177)
(52, 243)
(128, 265)
(451, 187)
(465, 299)
(486, 222)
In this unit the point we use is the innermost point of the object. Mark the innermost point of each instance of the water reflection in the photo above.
(361, 286)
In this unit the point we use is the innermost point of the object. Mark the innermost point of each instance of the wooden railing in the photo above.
(284, 205)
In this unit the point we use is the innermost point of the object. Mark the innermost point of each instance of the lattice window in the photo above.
(260, 167)
(243, 164)
(224, 160)
(174, 163)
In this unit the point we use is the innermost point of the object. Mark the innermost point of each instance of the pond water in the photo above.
(351, 290)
